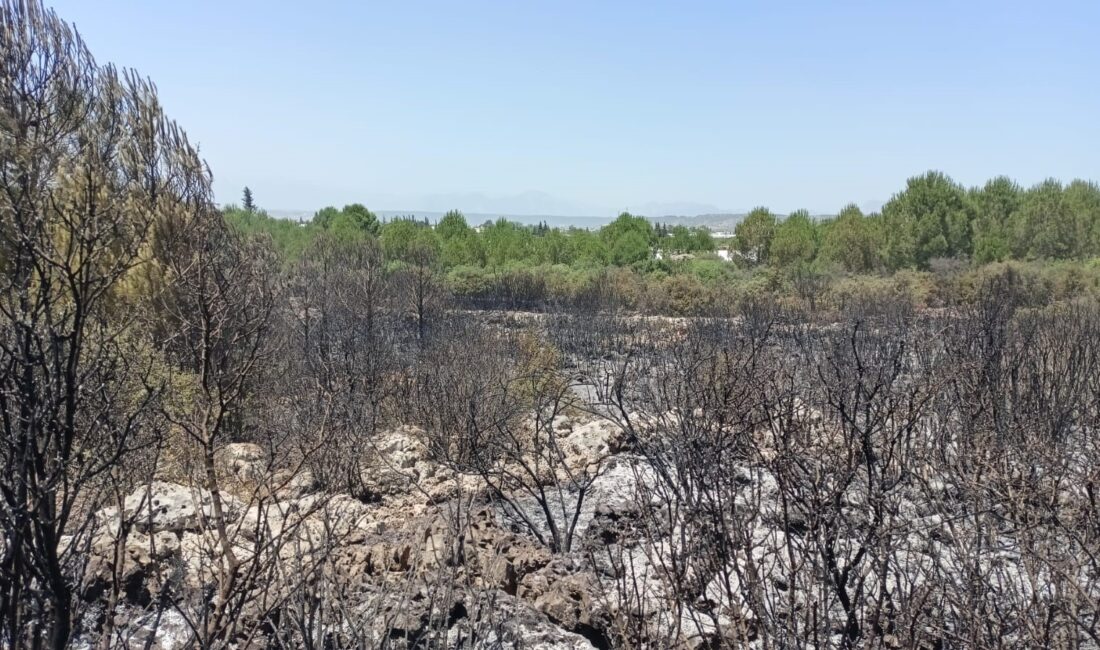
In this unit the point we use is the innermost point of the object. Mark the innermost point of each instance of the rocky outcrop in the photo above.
(566, 592)
(139, 564)
(396, 469)
(168, 507)
(241, 462)
(590, 441)
(509, 622)
(421, 524)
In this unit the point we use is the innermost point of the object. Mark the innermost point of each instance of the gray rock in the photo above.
(163, 506)
(241, 461)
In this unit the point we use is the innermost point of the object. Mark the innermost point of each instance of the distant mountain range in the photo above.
(472, 218)
(529, 203)
(479, 218)
(655, 208)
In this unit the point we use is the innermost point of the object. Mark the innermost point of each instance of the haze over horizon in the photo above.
(576, 109)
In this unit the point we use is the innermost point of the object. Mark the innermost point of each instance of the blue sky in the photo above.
(594, 107)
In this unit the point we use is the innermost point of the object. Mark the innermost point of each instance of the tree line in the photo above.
(933, 218)
(494, 244)
(935, 241)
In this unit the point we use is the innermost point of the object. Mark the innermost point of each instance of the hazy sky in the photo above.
(602, 106)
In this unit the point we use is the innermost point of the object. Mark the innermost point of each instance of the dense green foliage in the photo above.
(934, 227)
(795, 240)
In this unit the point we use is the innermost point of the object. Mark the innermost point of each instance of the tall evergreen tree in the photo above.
(795, 240)
(930, 218)
(753, 235)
